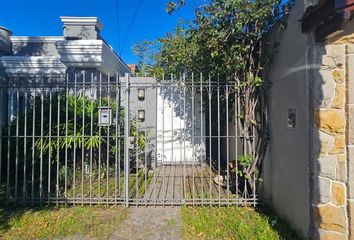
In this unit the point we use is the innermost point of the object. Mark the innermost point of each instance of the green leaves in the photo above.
(258, 81)
(224, 38)
(77, 127)
(92, 142)
(244, 161)
(173, 6)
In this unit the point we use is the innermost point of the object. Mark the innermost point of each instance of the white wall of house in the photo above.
(175, 128)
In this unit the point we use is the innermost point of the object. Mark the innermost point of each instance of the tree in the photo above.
(228, 38)
(173, 6)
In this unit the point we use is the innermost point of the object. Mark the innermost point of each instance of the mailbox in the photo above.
(104, 116)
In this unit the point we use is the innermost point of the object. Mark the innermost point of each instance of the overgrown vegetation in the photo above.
(227, 40)
(73, 151)
(18, 222)
(233, 223)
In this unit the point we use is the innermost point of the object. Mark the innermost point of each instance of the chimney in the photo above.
(81, 28)
(5, 41)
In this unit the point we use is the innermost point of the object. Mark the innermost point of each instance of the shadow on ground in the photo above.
(277, 224)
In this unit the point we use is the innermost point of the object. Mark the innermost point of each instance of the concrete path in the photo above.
(150, 223)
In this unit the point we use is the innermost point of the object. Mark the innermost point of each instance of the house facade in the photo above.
(80, 48)
(80, 51)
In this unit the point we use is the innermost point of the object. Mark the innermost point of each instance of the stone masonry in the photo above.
(332, 139)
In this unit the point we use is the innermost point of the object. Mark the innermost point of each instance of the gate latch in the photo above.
(131, 142)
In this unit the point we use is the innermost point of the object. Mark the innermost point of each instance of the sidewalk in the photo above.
(150, 223)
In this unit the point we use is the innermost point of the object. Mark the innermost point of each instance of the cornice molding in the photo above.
(90, 54)
(80, 53)
(32, 65)
(21, 39)
(73, 53)
(93, 21)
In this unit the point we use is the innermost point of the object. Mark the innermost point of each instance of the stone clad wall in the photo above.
(329, 153)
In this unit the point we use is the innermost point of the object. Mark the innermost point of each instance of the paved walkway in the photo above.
(174, 183)
(150, 223)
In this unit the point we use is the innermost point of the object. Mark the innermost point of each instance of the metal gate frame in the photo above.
(127, 139)
(48, 121)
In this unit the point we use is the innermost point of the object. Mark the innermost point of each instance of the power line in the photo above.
(117, 19)
(131, 23)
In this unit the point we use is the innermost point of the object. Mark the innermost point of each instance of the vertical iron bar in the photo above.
(25, 151)
(99, 142)
(91, 131)
(33, 142)
(8, 194)
(180, 109)
(116, 140)
(163, 140)
(201, 133)
(49, 140)
(219, 147)
(193, 141)
(172, 131)
(119, 135)
(254, 154)
(41, 143)
(17, 137)
(227, 144)
(137, 152)
(157, 92)
(58, 146)
(145, 157)
(184, 136)
(75, 137)
(83, 138)
(108, 138)
(127, 135)
(236, 143)
(210, 142)
(66, 136)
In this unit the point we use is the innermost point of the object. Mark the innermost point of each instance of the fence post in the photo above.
(127, 136)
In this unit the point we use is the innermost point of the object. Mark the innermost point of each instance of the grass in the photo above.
(171, 222)
(241, 223)
(99, 186)
(204, 186)
(233, 223)
(19, 222)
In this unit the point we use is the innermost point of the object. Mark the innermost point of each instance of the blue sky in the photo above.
(41, 18)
